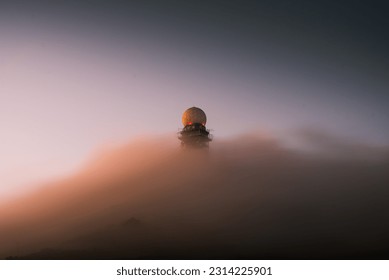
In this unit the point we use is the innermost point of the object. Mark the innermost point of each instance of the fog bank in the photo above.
(248, 197)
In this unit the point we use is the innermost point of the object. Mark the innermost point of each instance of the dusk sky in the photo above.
(76, 76)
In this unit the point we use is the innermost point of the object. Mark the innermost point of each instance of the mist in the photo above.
(247, 197)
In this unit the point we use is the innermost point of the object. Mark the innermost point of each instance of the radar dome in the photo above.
(194, 115)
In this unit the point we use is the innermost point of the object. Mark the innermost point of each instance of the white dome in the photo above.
(194, 115)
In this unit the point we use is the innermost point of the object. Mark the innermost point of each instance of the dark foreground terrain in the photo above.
(248, 199)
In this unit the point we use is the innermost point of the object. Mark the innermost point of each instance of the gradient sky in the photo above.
(79, 75)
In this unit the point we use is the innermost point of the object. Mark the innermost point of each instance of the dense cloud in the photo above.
(247, 198)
